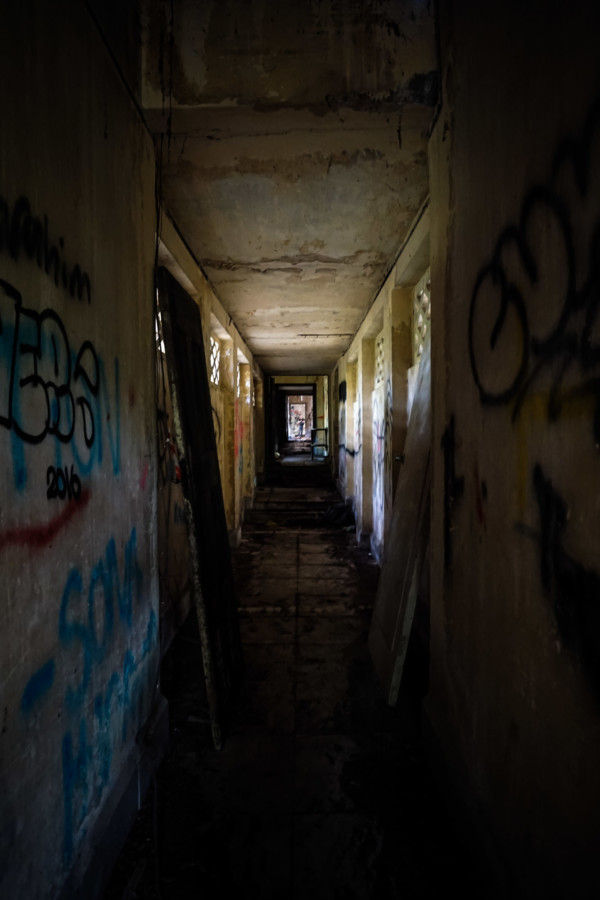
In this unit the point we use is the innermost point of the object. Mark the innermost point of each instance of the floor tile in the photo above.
(321, 791)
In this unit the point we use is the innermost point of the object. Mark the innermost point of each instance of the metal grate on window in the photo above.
(215, 360)
(421, 316)
(379, 361)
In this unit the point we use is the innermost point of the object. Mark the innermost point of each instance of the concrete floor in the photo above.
(322, 791)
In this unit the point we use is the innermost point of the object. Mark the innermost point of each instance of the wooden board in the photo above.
(212, 576)
(398, 582)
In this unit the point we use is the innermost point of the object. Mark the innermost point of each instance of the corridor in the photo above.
(314, 286)
(321, 790)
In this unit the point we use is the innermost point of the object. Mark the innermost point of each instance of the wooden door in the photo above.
(212, 575)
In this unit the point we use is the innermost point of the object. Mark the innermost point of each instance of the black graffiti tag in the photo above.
(574, 589)
(44, 387)
(23, 233)
(508, 349)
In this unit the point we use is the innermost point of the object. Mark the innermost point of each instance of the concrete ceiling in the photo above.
(294, 150)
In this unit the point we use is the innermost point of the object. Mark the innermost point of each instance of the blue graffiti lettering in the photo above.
(38, 685)
(102, 713)
(71, 632)
(77, 627)
(91, 612)
(49, 390)
(86, 775)
(75, 786)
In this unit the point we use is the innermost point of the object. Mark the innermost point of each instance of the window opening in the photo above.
(158, 333)
(421, 315)
(215, 360)
(379, 360)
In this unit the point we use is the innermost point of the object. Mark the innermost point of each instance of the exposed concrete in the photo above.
(295, 159)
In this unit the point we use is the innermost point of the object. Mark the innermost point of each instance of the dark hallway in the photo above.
(321, 790)
(314, 287)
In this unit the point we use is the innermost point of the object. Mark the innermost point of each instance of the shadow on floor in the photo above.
(322, 791)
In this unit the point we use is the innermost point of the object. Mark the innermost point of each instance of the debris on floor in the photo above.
(322, 791)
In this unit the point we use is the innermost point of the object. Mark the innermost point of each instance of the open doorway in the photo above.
(297, 417)
(299, 410)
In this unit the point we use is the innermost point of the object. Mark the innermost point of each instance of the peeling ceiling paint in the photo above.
(296, 156)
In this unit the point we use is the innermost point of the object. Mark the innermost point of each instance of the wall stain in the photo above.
(573, 588)
(453, 488)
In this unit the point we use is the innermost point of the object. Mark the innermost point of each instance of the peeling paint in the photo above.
(233, 265)
(298, 151)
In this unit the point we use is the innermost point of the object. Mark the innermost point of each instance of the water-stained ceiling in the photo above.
(294, 155)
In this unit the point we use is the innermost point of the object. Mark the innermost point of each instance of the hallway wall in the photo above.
(241, 457)
(372, 405)
(79, 642)
(515, 628)
(82, 715)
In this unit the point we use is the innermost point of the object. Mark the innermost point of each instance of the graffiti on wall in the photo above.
(524, 320)
(95, 626)
(573, 588)
(533, 326)
(358, 482)
(342, 421)
(61, 419)
(24, 234)
(50, 390)
(344, 449)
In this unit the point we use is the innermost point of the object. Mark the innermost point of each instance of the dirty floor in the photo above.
(322, 791)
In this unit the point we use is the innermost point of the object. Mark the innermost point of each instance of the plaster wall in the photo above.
(259, 427)
(79, 639)
(373, 417)
(232, 417)
(344, 448)
(381, 400)
(244, 444)
(364, 495)
(226, 404)
(334, 407)
(515, 630)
